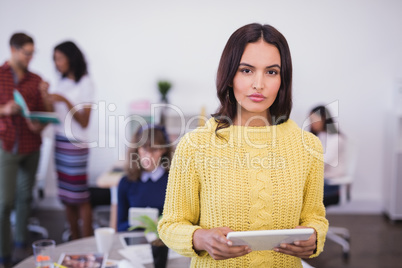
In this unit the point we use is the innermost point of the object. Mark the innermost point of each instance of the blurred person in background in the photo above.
(323, 126)
(147, 169)
(72, 99)
(20, 142)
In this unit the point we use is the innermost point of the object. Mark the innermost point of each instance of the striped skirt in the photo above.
(71, 166)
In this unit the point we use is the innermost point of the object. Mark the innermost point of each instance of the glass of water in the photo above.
(43, 253)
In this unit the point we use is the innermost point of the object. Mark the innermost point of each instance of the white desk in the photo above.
(89, 245)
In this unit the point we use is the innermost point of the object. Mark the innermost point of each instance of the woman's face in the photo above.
(61, 62)
(150, 158)
(316, 123)
(257, 80)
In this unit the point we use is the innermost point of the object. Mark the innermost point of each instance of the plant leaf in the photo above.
(164, 87)
(147, 223)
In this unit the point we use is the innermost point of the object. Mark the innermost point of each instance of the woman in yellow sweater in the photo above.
(250, 167)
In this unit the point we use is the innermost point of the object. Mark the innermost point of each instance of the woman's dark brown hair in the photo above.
(228, 66)
(148, 137)
(76, 60)
(327, 119)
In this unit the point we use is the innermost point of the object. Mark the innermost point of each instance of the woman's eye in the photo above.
(246, 71)
(272, 72)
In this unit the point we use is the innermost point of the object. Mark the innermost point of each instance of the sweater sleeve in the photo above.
(313, 211)
(181, 209)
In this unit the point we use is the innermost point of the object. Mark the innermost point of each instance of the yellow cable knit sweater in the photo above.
(255, 178)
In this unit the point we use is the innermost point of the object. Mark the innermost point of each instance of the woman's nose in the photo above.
(258, 83)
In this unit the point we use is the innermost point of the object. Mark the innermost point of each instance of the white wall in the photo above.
(347, 52)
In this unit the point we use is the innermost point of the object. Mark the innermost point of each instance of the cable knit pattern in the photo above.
(252, 178)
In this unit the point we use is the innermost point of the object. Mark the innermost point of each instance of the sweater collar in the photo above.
(257, 135)
(153, 175)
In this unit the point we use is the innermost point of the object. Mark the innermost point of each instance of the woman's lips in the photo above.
(256, 97)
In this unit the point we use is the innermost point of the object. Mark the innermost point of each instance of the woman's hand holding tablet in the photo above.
(269, 239)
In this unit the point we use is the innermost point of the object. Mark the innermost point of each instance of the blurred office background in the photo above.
(346, 55)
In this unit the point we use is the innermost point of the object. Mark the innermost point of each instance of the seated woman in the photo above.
(333, 142)
(144, 184)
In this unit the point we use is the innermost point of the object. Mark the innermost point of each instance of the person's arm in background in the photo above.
(44, 91)
(81, 115)
(12, 108)
(41, 104)
(122, 205)
(35, 126)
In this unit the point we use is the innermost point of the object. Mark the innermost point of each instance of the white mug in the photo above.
(104, 239)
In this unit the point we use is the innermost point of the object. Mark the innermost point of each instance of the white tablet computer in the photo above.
(135, 212)
(269, 239)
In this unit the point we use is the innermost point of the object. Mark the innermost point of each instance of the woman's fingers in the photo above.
(224, 251)
(214, 241)
(296, 250)
(301, 249)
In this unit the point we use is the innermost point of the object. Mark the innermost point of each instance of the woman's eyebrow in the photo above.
(273, 65)
(251, 66)
(246, 64)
